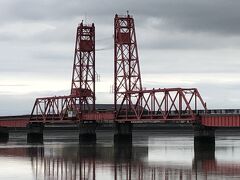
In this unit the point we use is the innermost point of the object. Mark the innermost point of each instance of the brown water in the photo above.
(152, 155)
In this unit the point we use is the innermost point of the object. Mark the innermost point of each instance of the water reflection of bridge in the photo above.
(98, 162)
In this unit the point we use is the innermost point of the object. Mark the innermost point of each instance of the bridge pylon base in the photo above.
(87, 132)
(35, 133)
(204, 145)
(4, 134)
(123, 133)
(204, 138)
(123, 142)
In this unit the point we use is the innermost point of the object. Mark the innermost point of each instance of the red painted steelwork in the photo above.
(51, 109)
(82, 98)
(134, 104)
(14, 121)
(223, 120)
(64, 109)
(99, 116)
(127, 76)
(83, 77)
(161, 104)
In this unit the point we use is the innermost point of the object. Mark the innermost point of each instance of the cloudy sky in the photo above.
(182, 43)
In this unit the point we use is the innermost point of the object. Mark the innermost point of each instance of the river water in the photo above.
(168, 155)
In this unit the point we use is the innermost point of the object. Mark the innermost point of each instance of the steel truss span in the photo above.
(161, 104)
(56, 109)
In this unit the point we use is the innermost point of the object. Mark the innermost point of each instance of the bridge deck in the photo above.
(14, 121)
(221, 120)
(213, 118)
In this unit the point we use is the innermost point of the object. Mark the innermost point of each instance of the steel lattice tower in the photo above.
(127, 76)
(83, 77)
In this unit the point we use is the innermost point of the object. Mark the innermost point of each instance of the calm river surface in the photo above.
(152, 155)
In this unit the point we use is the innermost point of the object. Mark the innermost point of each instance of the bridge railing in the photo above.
(223, 111)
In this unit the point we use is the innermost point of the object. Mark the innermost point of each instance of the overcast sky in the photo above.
(182, 43)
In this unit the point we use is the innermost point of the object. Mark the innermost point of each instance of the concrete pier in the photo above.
(4, 134)
(123, 133)
(35, 133)
(204, 137)
(87, 132)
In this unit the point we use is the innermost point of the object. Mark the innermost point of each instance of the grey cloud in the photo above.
(217, 16)
(189, 61)
(174, 36)
(22, 104)
(188, 41)
(185, 24)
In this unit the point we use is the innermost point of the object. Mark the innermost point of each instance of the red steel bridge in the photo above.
(132, 102)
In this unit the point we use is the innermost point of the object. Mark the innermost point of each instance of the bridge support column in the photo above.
(35, 133)
(87, 132)
(204, 138)
(204, 146)
(123, 133)
(4, 134)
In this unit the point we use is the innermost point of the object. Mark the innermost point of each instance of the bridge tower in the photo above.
(71, 108)
(127, 76)
(83, 76)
